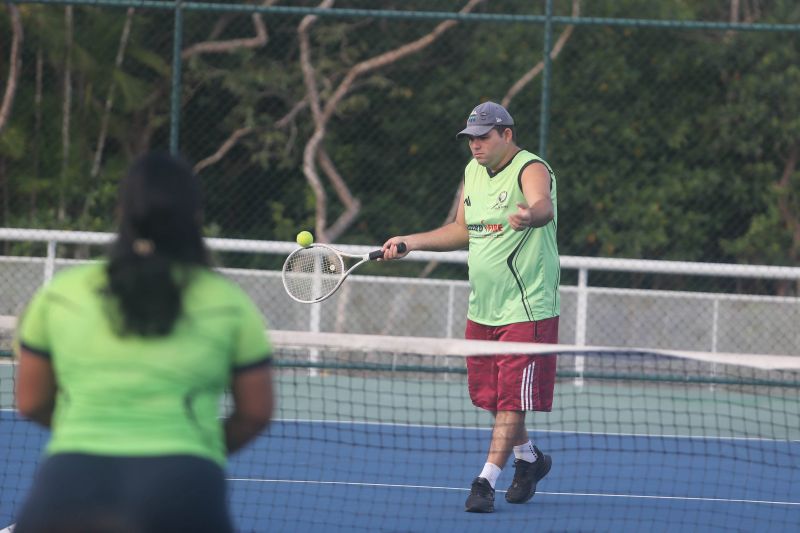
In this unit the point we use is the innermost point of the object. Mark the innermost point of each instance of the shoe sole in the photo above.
(548, 463)
(479, 510)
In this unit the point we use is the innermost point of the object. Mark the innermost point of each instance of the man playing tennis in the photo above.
(507, 218)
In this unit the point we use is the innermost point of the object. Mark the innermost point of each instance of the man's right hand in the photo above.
(390, 248)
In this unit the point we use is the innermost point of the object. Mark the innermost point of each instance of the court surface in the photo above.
(345, 476)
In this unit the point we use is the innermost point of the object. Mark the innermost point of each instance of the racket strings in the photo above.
(312, 273)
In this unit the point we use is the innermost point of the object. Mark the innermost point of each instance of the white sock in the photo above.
(525, 452)
(490, 473)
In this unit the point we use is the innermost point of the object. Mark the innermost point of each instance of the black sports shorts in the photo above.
(83, 493)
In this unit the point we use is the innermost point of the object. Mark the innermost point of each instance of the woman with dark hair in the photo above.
(127, 360)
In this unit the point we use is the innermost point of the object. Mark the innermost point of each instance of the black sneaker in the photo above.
(526, 475)
(481, 497)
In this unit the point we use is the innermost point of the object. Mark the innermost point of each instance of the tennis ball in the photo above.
(304, 238)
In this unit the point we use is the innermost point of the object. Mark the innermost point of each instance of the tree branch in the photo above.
(296, 108)
(14, 66)
(322, 115)
(234, 138)
(66, 110)
(310, 151)
(752, 11)
(352, 204)
(214, 46)
(101, 139)
(531, 74)
(734, 12)
(391, 57)
(220, 25)
(37, 127)
(306, 64)
(220, 47)
(226, 147)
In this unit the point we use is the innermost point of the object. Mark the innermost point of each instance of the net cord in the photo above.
(466, 348)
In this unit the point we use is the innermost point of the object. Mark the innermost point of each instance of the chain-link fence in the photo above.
(389, 305)
(672, 126)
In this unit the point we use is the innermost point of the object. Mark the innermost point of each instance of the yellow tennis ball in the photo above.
(304, 238)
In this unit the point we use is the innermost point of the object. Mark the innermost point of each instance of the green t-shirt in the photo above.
(137, 396)
(513, 275)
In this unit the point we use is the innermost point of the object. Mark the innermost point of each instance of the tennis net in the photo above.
(377, 433)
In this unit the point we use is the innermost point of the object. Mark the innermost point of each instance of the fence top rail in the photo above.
(339, 12)
(644, 266)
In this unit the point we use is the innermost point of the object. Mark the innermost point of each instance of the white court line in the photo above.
(488, 429)
(548, 431)
(578, 494)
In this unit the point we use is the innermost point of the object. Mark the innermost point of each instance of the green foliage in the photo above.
(667, 143)
(12, 143)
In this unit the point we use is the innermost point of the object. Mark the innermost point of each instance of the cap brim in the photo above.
(475, 131)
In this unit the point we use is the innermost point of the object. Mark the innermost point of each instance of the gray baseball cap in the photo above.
(485, 117)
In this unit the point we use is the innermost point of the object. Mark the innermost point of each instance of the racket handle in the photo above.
(378, 254)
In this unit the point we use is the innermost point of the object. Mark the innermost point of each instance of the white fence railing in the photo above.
(590, 315)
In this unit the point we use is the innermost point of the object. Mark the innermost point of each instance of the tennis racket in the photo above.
(312, 274)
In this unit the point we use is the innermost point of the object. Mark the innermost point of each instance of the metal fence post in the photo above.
(580, 321)
(451, 299)
(50, 262)
(175, 100)
(544, 116)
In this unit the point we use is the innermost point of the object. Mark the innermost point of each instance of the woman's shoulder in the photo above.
(78, 275)
(213, 285)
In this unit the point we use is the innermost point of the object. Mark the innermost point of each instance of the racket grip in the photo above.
(378, 254)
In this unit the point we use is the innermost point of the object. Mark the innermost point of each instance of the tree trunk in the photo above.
(37, 133)
(4, 191)
(65, 114)
(14, 66)
(322, 112)
(101, 138)
(531, 74)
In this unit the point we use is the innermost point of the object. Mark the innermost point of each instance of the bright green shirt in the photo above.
(513, 275)
(137, 396)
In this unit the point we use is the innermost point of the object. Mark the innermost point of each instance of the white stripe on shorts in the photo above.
(526, 393)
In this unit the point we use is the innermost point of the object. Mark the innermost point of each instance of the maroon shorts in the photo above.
(513, 382)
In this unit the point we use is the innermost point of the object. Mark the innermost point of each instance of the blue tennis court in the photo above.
(345, 476)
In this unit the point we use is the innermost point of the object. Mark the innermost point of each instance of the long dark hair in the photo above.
(159, 236)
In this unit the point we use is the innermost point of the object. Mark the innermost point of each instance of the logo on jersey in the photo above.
(502, 202)
(483, 227)
(467, 202)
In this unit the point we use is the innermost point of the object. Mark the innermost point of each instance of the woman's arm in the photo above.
(253, 402)
(35, 387)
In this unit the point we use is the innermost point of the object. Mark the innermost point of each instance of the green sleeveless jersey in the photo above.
(142, 396)
(513, 275)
